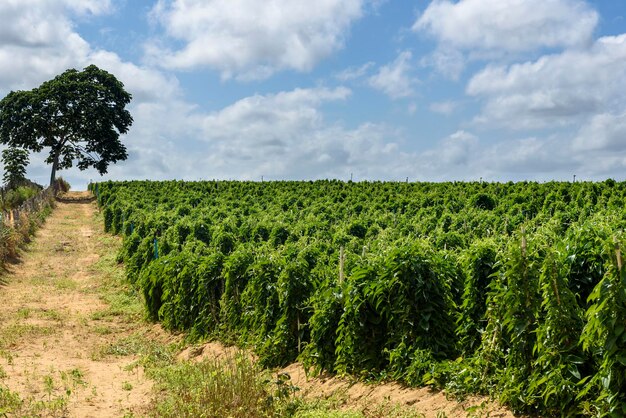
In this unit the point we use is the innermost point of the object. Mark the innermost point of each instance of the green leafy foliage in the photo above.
(15, 161)
(78, 116)
(516, 290)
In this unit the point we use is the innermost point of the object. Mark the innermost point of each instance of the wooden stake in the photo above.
(298, 322)
(341, 263)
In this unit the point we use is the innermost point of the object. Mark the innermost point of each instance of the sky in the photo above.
(436, 90)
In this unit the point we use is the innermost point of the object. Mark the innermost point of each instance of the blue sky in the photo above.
(380, 89)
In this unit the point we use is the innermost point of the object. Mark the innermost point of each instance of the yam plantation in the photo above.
(515, 290)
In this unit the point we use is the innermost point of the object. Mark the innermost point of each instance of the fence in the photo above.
(12, 217)
(17, 225)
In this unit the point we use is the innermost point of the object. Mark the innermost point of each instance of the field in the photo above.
(514, 290)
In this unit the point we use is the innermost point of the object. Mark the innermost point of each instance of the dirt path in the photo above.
(56, 329)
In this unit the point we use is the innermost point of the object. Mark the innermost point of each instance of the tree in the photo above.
(15, 161)
(78, 115)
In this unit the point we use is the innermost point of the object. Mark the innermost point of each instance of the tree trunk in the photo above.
(55, 165)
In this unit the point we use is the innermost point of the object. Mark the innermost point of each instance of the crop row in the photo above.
(515, 290)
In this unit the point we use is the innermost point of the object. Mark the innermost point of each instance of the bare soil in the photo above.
(56, 331)
(55, 327)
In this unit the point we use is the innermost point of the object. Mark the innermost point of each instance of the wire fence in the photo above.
(19, 224)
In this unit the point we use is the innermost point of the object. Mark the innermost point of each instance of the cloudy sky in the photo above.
(377, 89)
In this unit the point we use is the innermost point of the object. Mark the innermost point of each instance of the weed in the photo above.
(48, 383)
(23, 313)
(231, 387)
(52, 314)
(9, 401)
(73, 378)
(11, 334)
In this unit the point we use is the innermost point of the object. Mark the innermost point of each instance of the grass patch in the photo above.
(52, 314)
(10, 401)
(234, 386)
(125, 304)
(152, 354)
(11, 334)
(65, 283)
(73, 378)
(229, 388)
(122, 299)
(41, 281)
(102, 330)
(23, 313)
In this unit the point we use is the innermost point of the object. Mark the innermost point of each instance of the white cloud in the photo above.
(146, 84)
(285, 135)
(605, 132)
(251, 39)
(395, 79)
(87, 7)
(456, 149)
(510, 25)
(37, 41)
(556, 90)
(354, 73)
(452, 157)
(529, 157)
(445, 108)
(278, 136)
(487, 29)
(448, 62)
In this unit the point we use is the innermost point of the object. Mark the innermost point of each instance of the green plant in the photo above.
(15, 161)
(470, 287)
(231, 387)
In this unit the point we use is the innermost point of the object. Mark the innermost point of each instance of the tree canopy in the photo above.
(15, 161)
(78, 116)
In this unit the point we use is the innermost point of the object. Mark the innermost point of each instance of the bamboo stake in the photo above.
(523, 242)
(341, 263)
(298, 322)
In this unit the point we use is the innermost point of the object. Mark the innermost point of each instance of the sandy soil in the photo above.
(52, 330)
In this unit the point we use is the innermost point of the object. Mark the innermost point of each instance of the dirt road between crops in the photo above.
(55, 327)
(66, 335)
